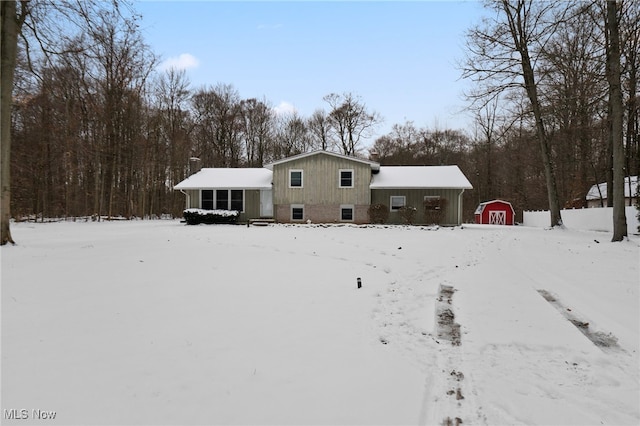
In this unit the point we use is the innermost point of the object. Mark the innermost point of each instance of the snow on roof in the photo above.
(594, 194)
(249, 178)
(408, 177)
(373, 164)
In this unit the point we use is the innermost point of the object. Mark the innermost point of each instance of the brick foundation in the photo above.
(321, 213)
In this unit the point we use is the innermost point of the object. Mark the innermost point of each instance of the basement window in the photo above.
(346, 213)
(297, 212)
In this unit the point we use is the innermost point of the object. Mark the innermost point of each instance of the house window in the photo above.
(295, 178)
(397, 202)
(346, 213)
(237, 200)
(222, 199)
(346, 178)
(207, 199)
(297, 212)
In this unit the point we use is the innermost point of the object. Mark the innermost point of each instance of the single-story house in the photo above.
(326, 187)
(434, 191)
(597, 195)
(495, 212)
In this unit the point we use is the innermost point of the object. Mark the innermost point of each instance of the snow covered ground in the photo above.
(155, 322)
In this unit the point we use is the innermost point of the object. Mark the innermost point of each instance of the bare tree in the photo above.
(612, 26)
(292, 136)
(218, 125)
(486, 121)
(12, 18)
(500, 59)
(38, 28)
(320, 130)
(351, 120)
(258, 118)
(630, 41)
(166, 158)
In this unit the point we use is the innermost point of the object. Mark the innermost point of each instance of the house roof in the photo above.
(250, 178)
(594, 194)
(408, 177)
(373, 164)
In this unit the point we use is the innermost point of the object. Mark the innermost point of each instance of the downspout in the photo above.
(188, 206)
(460, 207)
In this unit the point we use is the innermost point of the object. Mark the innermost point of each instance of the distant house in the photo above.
(495, 212)
(326, 187)
(597, 195)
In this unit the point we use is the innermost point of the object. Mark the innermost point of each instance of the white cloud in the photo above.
(184, 61)
(284, 108)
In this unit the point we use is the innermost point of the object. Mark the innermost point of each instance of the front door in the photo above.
(266, 203)
(497, 218)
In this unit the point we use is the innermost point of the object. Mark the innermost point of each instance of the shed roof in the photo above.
(482, 205)
(249, 178)
(414, 177)
(373, 164)
(594, 194)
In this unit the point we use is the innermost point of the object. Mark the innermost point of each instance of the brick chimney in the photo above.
(194, 165)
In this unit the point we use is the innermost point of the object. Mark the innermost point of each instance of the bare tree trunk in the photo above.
(10, 25)
(517, 30)
(615, 100)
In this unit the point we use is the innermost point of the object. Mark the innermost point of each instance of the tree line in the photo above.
(97, 130)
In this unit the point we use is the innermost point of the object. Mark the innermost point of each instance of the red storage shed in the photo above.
(496, 212)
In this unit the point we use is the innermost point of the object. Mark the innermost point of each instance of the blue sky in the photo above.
(398, 57)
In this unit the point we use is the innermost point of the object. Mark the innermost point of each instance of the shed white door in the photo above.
(497, 218)
(266, 203)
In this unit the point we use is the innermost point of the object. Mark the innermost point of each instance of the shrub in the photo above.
(197, 216)
(378, 213)
(434, 209)
(408, 214)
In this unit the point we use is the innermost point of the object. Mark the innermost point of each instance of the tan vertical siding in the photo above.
(320, 186)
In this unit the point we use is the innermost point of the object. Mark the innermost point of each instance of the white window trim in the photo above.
(353, 212)
(353, 174)
(215, 197)
(244, 197)
(301, 178)
(296, 206)
(404, 202)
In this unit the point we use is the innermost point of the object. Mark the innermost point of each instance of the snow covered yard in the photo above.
(155, 322)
